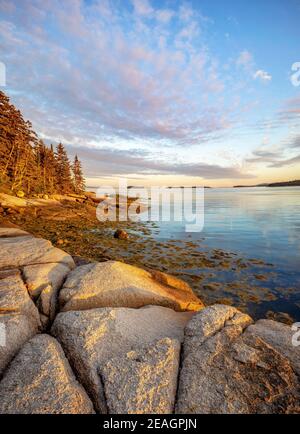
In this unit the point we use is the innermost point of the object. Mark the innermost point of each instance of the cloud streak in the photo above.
(262, 75)
(120, 162)
(286, 162)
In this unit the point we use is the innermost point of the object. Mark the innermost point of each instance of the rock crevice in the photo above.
(127, 340)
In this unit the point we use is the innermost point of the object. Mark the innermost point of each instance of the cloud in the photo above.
(286, 162)
(262, 75)
(185, 12)
(277, 158)
(107, 161)
(121, 83)
(290, 110)
(246, 61)
(190, 31)
(264, 156)
(295, 142)
(105, 72)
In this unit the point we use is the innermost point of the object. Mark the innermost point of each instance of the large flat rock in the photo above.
(40, 380)
(91, 338)
(116, 284)
(19, 251)
(143, 381)
(19, 318)
(227, 370)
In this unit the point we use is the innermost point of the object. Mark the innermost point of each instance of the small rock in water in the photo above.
(121, 234)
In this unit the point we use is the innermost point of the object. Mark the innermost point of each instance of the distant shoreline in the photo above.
(295, 183)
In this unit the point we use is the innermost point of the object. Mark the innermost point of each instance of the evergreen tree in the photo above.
(16, 147)
(51, 170)
(79, 183)
(63, 170)
(26, 163)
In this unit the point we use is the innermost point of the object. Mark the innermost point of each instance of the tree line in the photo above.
(27, 163)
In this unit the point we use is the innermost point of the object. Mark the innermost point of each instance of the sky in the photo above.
(164, 92)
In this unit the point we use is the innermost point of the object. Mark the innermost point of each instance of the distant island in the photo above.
(295, 183)
(181, 186)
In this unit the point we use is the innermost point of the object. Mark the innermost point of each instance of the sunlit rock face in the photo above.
(19, 317)
(23, 250)
(144, 380)
(116, 284)
(126, 340)
(40, 380)
(41, 270)
(92, 338)
(227, 368)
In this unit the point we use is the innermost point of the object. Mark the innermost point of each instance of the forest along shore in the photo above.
(216, 276)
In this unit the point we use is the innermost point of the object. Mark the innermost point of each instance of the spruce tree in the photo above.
(51, 165)
(63, 170)
(79, 183)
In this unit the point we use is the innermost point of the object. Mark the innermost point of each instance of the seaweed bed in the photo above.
(215, 275)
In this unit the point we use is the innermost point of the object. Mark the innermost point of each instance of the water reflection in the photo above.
(261, 223)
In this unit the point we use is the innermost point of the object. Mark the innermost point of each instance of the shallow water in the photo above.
(261, 223)
(247, 255)
(258, 222)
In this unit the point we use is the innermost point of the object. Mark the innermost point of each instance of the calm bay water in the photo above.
(258, 222)
(261, 223)
(247, 255)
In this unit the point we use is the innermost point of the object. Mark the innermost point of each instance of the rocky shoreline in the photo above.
(113, 338)
(216, 276)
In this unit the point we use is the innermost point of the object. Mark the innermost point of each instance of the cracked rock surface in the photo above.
(226, 368)
(40, 380)
(90, 338)
(19, 316)
(143, 381)
(280, 337)
(126, 340)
